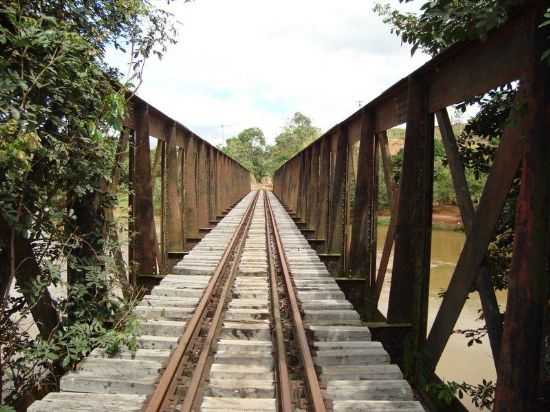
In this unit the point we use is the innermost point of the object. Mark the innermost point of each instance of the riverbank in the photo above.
(444, 217)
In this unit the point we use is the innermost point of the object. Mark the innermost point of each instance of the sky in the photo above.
(253, 63)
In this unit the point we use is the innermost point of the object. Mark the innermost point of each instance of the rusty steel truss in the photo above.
(315, 185)
(198, 185)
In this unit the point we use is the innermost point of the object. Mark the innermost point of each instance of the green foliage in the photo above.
(443, 189)
(296, 135)
(34, 361)
(396, 133)
(477, 146)
(442, 23)
(248, 147)
(61, 110)
(482, 394)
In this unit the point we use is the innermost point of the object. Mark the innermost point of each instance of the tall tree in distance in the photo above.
(296, 135)
(249, 148)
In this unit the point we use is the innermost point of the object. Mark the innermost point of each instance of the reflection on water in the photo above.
(459, 362)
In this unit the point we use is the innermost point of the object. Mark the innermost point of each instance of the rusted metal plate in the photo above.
(324, 190)
(144, 239)
(174, 218)
(190, 189)
(496, 189)
(335, 235)
(411, 269)
(363, 240)
(523, 344)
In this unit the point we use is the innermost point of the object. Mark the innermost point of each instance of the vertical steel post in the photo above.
(518, 383)
(411, 270)
(144, 238)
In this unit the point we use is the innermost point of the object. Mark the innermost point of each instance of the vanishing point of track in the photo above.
(174, 393)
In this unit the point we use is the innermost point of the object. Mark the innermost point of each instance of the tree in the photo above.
(296, 135)
(442, 23)
(248, 148)
(61, 111)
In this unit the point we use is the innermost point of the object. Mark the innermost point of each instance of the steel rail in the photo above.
(284, 391)
(164, 388)
(200, 368)
(312, 382)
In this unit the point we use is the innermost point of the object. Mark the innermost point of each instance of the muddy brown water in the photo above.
(459, 362)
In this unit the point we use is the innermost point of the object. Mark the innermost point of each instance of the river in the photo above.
(459, 362)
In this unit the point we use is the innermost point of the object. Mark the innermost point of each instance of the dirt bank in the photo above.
(444, 216)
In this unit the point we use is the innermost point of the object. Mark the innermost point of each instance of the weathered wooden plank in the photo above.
(411, 271)
(523, 346)
(144, 237)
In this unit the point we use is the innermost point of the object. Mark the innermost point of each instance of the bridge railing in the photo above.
(332, 185)
(198, 183)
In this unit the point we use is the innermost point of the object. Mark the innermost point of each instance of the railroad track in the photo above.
(228, 346)
(251, 321)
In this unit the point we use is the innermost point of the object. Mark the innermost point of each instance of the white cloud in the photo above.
(245, 63)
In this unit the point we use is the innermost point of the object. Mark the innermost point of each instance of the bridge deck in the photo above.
(355, 372)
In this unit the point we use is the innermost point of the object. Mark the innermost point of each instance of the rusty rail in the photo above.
(165, 387)
(312, 381)
(201, 366)
(284, 391)
(331, 188)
